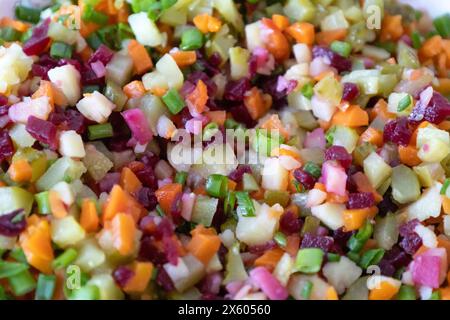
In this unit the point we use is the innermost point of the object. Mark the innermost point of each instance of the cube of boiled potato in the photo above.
(302, 53)
(20, 136)
(376, 170)
(71, 144)
(188, 271)
(145, 30)
(252, 36)
(170, 70)
(239, 58)
(66, 231)
(274, 175)
(95, 107)
(284, 268)
(67, 79)
(330, 214)
(433, 144)
(341, 274)
(261, 228)
(428, 205)
(298, 281)
(107, 287)
(90, 256)
(65, 192)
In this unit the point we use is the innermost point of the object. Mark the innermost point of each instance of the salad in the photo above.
(220, 149)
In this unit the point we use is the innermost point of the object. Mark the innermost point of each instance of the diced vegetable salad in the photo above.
(344, 108)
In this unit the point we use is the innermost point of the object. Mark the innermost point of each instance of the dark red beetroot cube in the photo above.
(261, 248)
(360, 200)
(351, 91)
(411, 241)
(69, 119)
(164, 280)
(171, 250)
(240, 114)
(436, 111)
(237, 174)
(38, 41)
(341, 238)
(150, 159)
(43, 131)
(397, 257)
(102, 54)
(147, 198)
(108, 181)
(387, 204)
(8, 228)
(290, 223)
(336, 60)
(235, 90)
(148, 251)
(122, 275)
(195, 76)
(3, 100)
(315, 241)
(6, 145)
(304, 178)
(340, 154)
(386, 268)
(398, 131)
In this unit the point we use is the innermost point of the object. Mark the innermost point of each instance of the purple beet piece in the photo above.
(290, 223)
(350, 91)
(315, 241)
(336, 60)
(38, 41)
(304, 178)
(235, 90)
(122, 275)
(340, 154)
(411, 241)
(6, 145)
(360, 200)
(437, 110)
(237, 174)
(43, 131)
(9, 227)
(398, 131)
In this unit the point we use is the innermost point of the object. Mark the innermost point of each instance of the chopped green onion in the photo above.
(26, 35)
(61, 50)
(166, 4)
(357, 241)
(307, 90)
(28, 14)
(389, 46)
(307, 289)
(217, 185)
(191, 39)
(229, 203)
(173, 101)
(210, 130)
(445, 186)
(160, 211)
(124, 31)
(371, 257)
(87, 292)
(91, 15)
(22, 283)
(309, 260)
(245, 204)
(91, 88)
(45, 287)
(43, 202)
(231, 124)
(333, 257)
(94, 41)
(109, 36)
(341, 47)
(10, 34)
(436, 295)
(355, 257)
(154, 11)
(406, 293)
(280, 239)
(313, 169)
(181, 177)
(18, 255)
(64, 259)
(100, 131)
(10, 269)
(442, 25)
(404, 103)
(416, 40)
